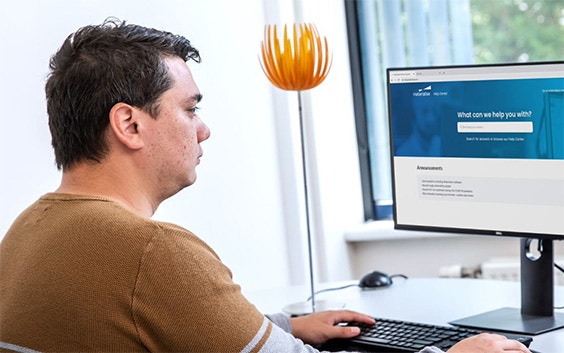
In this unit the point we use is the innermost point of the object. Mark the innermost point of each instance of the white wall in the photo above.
(236, 204)
(247, 202)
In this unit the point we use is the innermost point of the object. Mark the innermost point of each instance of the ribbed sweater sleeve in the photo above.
(281, 320)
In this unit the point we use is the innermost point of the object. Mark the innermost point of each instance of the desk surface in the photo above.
(433, 300)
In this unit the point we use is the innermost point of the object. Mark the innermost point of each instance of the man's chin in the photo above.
(191, 181)
(188, 182)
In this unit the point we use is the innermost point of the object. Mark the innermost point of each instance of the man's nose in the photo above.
(203, 133)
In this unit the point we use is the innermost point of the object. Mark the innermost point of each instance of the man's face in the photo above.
(176, 133)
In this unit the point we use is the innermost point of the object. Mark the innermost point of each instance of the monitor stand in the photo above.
(537, 314)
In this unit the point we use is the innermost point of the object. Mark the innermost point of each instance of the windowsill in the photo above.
(384, 230)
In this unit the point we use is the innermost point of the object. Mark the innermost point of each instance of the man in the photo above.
(85, 269)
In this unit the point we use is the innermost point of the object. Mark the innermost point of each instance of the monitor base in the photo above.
(511, 320)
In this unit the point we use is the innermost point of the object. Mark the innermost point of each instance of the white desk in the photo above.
(433, 301)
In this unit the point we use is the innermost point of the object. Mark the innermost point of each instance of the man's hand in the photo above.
(488, 343)
(320, 327)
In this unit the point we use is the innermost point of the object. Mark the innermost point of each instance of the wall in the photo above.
(236, 204)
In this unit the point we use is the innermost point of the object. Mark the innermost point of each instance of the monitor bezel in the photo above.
(444, 229)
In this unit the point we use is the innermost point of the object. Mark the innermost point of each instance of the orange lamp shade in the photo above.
(298, 63)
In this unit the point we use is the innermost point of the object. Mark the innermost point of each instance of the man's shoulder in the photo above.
(178, 237)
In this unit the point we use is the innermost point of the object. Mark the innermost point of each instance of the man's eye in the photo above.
(193, 110)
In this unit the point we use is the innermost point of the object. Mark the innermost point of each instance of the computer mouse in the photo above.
(375, 279)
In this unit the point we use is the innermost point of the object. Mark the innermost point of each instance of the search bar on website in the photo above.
(495, 126)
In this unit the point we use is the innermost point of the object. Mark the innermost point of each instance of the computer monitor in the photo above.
(479, 149)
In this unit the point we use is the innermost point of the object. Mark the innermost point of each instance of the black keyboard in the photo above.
(402, 336)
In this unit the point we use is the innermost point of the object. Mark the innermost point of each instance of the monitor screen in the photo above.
(479, 148)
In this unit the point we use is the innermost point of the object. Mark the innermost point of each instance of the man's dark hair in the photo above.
(97, 67)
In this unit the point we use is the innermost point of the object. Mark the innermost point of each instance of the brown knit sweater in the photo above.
(83, 274)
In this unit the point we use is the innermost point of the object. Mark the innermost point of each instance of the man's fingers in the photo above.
(345, 331)
(352, 316)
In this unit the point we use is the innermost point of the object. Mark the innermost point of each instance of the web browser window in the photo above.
(479, 147)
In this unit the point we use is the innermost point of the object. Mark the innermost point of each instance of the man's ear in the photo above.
(124, 122)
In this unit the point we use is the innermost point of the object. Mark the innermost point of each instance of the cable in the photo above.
(561, 270)
(332, 289)
(399, 275)
(351, 285)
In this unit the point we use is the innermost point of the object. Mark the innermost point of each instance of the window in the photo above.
(404, 33)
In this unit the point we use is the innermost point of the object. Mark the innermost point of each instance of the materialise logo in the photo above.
(426, 91)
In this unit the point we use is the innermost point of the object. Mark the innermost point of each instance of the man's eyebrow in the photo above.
(196, 98)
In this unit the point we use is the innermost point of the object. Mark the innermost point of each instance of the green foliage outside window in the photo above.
(517, 30)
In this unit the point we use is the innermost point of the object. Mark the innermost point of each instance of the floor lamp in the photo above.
(297, 63)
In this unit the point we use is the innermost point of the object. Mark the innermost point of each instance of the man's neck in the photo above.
(97, 180)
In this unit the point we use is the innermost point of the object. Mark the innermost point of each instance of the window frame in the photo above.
(359, 103)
